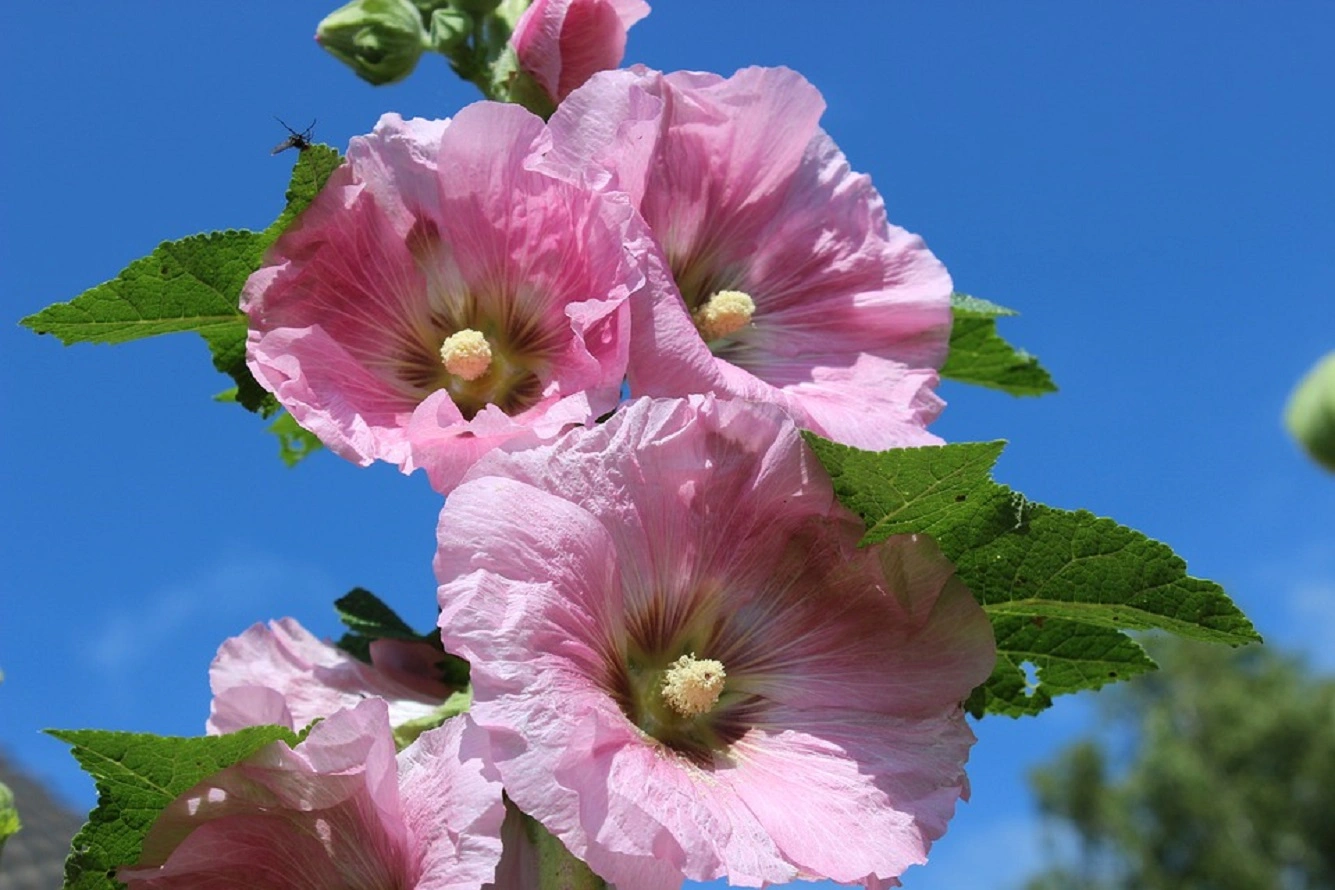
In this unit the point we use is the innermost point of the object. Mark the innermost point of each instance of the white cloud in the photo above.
(232, 586)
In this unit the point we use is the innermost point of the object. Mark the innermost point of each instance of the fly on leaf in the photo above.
(298, 140)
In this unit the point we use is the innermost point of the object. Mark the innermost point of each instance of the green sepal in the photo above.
(137, 775)
(1060, 587)
(978, 355)
(458, 702)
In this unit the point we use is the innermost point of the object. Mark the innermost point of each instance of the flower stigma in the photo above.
(691, 686)
(466, 354)
(726, 312)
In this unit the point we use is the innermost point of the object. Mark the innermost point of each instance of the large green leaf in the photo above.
(137, 776)
(979, 355)
(1059, 586)
(193, 284)
(187, 285)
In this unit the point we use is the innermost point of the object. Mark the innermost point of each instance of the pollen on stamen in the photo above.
(727, 312)
(691, 686)
(466, 354)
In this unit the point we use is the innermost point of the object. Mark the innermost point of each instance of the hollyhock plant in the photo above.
(791, 286)
(282, 674)
(684, 667)
(442, 295)
(338, 810)
(562, 43)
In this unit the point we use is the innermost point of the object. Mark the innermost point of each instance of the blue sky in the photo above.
(1151, 184)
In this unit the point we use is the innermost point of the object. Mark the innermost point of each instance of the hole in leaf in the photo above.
(1030, 677)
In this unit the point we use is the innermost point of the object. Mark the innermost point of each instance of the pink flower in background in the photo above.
(684, 667)
(562, 43)
(338, 810)
(442, 296)
(283, 675)
(791, 287)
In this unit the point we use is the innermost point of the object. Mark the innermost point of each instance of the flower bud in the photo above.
(449, 29)
(562, 43)
(1310, 415)
(428, 7)
(380, 40)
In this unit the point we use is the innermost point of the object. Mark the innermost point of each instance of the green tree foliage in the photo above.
(1216, 773)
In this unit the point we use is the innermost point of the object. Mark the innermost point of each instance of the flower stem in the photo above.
(558, 869)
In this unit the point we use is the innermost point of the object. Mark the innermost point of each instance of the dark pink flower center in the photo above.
(522, 343)
(656, 643)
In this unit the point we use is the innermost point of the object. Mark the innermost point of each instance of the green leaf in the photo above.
(978, 355)
(364, 613)
(137, 776)
(369, 619)
(186, 285)
(314, 166)
(1059, 586)
(9, 814)
(1067, 656)
(294, 442)
(191, 285)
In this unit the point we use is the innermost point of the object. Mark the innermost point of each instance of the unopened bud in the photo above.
(1310, 414)
(449, 29)
(381, 40)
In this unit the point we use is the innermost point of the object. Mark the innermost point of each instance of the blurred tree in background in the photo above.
(1216, 773)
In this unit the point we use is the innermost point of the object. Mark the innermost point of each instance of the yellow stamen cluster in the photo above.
(727, 312)
(466, 354)
(691, 686)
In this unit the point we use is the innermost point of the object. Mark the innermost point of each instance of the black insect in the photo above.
(300, 141)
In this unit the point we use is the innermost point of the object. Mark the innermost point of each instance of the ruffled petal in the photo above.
(453, 810)
(284, 675)
(705, 526)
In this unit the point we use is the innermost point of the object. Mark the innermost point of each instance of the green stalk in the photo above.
(558, 869)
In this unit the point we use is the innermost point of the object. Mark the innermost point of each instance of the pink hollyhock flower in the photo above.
(684, 666)
(284, 675)
(562, 43)
(442, 295)
(338, 810)
(791, 286)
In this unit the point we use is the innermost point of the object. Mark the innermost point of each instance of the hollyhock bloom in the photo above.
(442, 295)
(338, 810)
(791, 286)
(562, 43)
(284, 675)
(684, 666)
